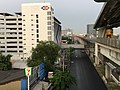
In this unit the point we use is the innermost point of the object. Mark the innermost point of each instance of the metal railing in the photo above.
(109, 42)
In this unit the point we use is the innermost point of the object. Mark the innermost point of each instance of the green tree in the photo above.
(5, 63)
(45, 52)
(62, 80)
(69, 39)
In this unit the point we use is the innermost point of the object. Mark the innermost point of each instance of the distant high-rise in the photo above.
(91, 30)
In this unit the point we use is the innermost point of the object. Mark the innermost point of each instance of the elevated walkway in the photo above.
(76, 46)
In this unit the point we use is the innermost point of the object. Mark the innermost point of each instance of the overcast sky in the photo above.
(74, 14)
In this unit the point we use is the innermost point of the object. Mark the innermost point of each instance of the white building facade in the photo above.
(11, 35)
(21, 32)
(38, 24)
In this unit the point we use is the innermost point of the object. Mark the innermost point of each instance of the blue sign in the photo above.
(41, 71)
(23, 84)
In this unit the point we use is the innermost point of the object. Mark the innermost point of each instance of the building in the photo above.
(11, 34)
(67, 32)
(21, 32)
(107, 47)
(39, 24)
(91, 30)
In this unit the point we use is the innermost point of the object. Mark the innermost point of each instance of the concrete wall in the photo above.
(15, 85)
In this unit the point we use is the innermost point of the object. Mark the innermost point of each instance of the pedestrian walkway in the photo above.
(41, 86)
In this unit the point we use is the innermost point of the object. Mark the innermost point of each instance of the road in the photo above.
(86, 75)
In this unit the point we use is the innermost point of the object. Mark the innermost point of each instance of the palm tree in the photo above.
(62, 80)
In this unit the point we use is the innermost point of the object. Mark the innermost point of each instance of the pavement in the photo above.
(41, 85)
(85, 73)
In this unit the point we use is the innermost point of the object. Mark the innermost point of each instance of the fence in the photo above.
(109, 42)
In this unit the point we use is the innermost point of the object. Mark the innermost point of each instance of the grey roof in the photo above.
(11, 75)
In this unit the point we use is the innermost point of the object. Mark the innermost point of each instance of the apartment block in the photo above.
(11, 34)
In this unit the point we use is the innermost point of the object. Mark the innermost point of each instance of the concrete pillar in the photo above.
(96, 54)
(107, 72)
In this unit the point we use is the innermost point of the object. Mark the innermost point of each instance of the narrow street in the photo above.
(86, 75)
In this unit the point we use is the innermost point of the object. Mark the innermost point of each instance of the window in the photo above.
(37, 35)
(24, 20)
(11, 37)
(20, 51)
(31, 14)
(20, 37)
(48, 18)
(49, 23)
(49, 28)
(19, 23)
(20, 46)
(31, 24)
(12, 51)
(20, 41)
(37, 26)
(49, 13)
(20, 32)
(20, 19)
(49, 38)
(32, 29)
(32, 34)
(23, 15)
(23, 29)
(11, 46)
(20, 28)
(2, 46)
(2, 38)
(31, 19)
(10, 23)
(36, 21)
(49, 33)
(37, 40)
(37, 30)
(36, 15)
(11, 42)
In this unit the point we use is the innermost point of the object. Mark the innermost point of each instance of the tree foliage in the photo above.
(5, 63)
(45, 52)
(62, 80)
(69, 39)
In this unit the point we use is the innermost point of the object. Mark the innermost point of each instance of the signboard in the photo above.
(45, 7)
(50, 74)
(28, 71)
(41, 71)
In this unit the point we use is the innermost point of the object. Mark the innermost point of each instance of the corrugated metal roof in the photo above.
(11, 75)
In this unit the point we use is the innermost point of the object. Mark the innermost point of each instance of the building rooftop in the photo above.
(6, 14)
(11, 75)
